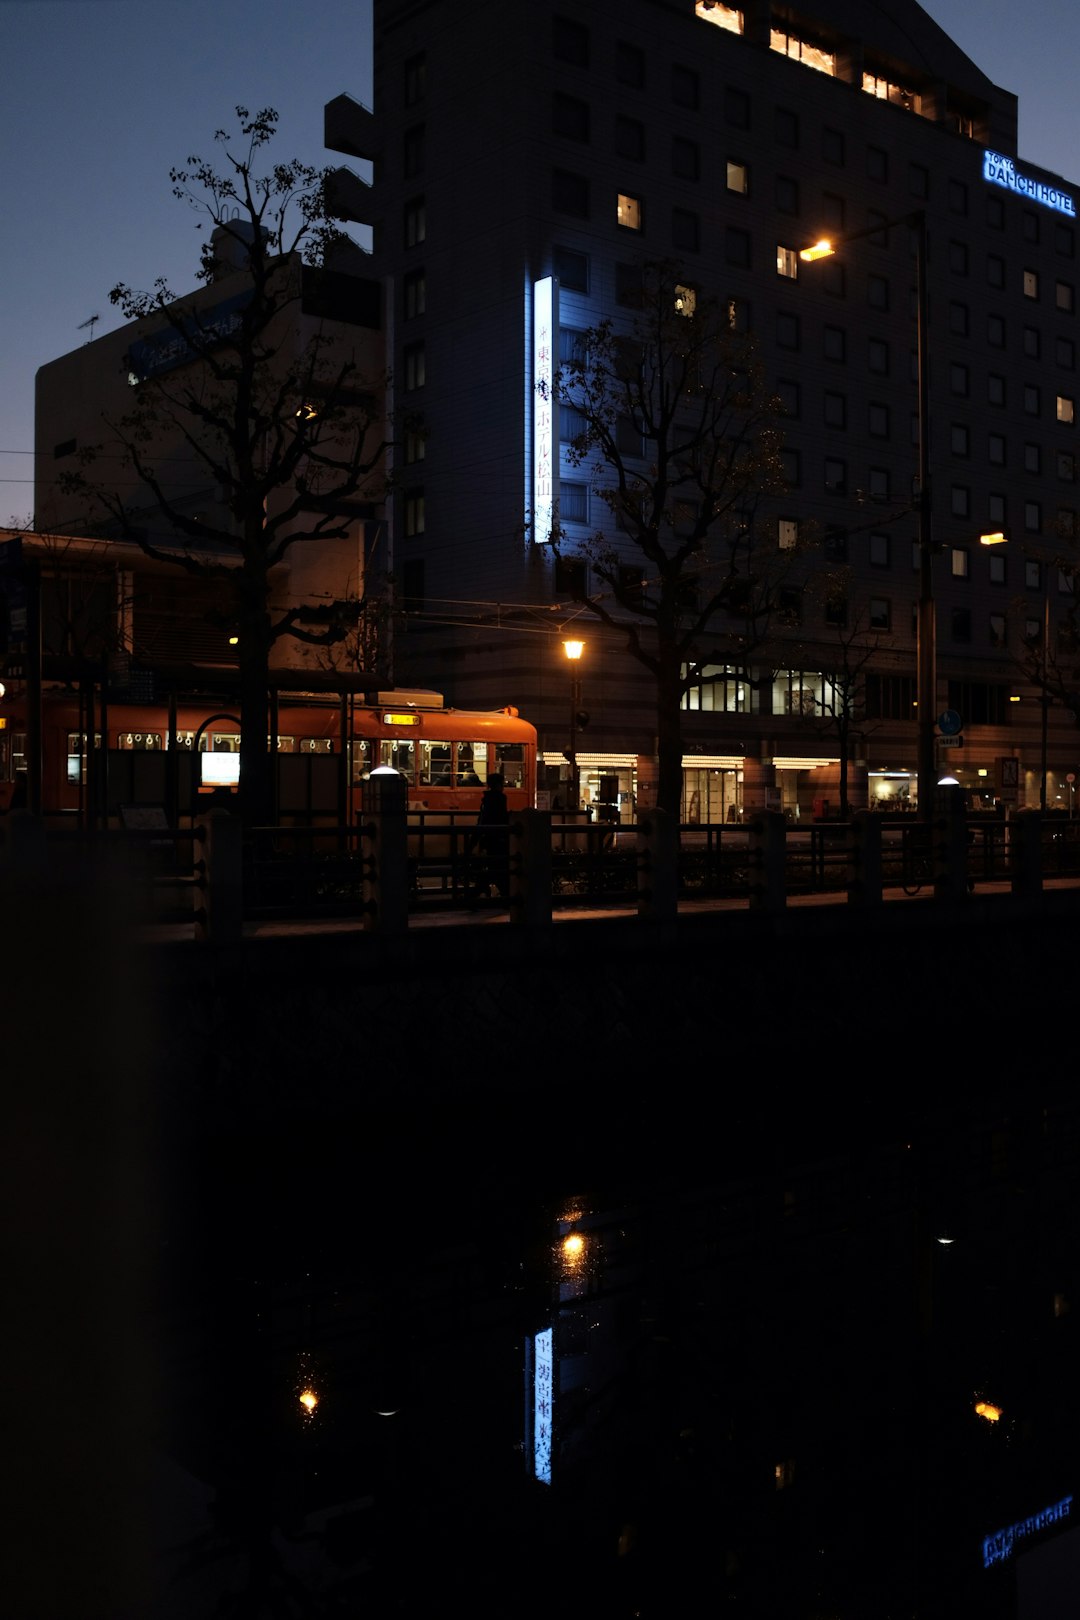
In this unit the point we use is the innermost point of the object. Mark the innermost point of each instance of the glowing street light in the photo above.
(573, 650)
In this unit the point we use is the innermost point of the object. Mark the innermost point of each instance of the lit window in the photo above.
(787, 262)
(1063, 296)
(961, 562)
(788, 533)
(1031, 284)
(885, 89)
(629, 211)
(729, 17)
(738, 177)
(685, 300)
(801, 50)
(1065, 408)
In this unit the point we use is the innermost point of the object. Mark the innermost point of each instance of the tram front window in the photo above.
(510, 760)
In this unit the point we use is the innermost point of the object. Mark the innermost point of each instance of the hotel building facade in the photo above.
(535, 157)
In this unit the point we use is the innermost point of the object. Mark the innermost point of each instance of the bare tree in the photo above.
(847, 658)
(681, 435)
(274, 413)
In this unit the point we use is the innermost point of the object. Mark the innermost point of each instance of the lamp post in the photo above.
(999, 539)
(573, 650)
(926, 620)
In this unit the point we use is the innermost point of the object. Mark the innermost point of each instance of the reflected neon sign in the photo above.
(1002, 1543)
(1002, 171)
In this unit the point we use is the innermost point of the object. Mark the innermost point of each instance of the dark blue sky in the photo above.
(102, 97)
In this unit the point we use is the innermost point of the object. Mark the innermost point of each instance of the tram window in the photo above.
(220, 742)
(401, 755)
(435, 764)
(510, 760)
(287, 745)
(18, 753)
(308, 745)
(472, 764)
(139, 741)
(361, 758)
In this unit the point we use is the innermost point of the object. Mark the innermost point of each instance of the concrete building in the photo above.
(329, 318)
(542, 147)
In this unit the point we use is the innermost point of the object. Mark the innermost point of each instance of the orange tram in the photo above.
(175, 755)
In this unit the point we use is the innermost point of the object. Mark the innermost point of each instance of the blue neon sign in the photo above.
(1002, 1543)
(1002, 171)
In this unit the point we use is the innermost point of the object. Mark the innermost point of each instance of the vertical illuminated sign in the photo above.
(544, 425)
(543, 1400)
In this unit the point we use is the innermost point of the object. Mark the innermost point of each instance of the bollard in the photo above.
(385, 845)
(658, 866)
(950, 845)
(1025, 844)
(864, 859)
(768, 891)
(219, 878)
(530, 868)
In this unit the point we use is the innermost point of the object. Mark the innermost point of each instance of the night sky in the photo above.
(102, 97)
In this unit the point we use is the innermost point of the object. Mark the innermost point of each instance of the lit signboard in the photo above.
(540, 1411)
(1002, 171)
(189, 339)
(220, 770)
(544, 425)
(1002, 1543)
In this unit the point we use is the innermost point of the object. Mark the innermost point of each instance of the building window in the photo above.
(1064, 241)
(573, 502)
(959, 439)
(958, 319)
(835, 412)
(879, 484)
(413, 151)
(995, 271)
(714, 11)
(738, 177)
(880, 613)
(787, 533)
(686, 159)
(834, 343)
(787, 262)
(995, 510)
(998, 568)
(787, 397)
(737, 247)
(628, 211)
(995, 331)
(1029, 226)
(570, 117)
(1065, 353)
(685, 230)
(1032, 576)
(414, 288)
(787, 330)
(685, 88)
(570, 41)
(997, 630)
(958, 381)
(835, 478)
(877, 292)
(791, 468)
(832, 147)
(415, 79)
(736, 108)
(1065, 529)
(738, 315)
(802, 50)
(995, 213)
(1031, 284)
(961, 624)
(995, 389)
(1031, 400)
(995, 452)
(415, 222)
(1066, 466)
(877, 357)
(629, 64)
(918, 180)
(836, 609)
(877, 164)
(1065, 408)
(415, 366)
(786, 127)
(787, 194)
(1063, 296)
(879, 551)
(958, 197)
(628, 287)
(571, 577)
(569, 193)
(630, 139)
(877, 420)
(1032, 342)
(414, 513)
(1032, 517)
(573, 346)
(960, 503)
(415, 447)
(958, 258)
(571, 268)
(1032, 459)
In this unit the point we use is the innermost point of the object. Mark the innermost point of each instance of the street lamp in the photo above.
(573, 650)
(926, 646)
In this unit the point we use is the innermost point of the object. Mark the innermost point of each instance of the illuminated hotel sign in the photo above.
(540, 1410)
(1001, 1544)
(545, 442)
(1003, 172)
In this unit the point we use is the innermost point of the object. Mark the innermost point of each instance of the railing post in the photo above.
(864, 859)
(530, 868)
(386, 855)
(219, 878)
(950, 845)
(1025, 845)
(658, 866)
(768, 890)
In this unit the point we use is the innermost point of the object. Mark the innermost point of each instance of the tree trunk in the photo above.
(256, 788)
(669, 741)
